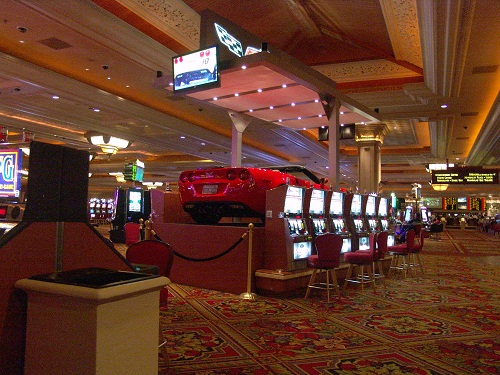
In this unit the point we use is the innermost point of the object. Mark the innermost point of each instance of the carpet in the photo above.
(444, 322)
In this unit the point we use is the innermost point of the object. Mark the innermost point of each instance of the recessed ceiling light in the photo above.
(250, 110)
(259, 90)
(55, 97)
(271, 107)
(236, 94)
(444, 105)
(341, 112)
(284, 86)
(243, 67)
(183, 137)
(215, 98)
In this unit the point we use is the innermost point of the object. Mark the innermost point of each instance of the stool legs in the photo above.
(327, 285)
(360, 277)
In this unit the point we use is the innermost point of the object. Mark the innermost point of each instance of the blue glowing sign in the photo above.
(10, 179)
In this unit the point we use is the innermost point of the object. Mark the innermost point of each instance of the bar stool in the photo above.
(414, 256)
(362, 261)
(328, 248)
(401, 254)
(380, 256)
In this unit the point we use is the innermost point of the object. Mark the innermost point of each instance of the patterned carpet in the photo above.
(446, 322)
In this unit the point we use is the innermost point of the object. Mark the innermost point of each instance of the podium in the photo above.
(93, 330)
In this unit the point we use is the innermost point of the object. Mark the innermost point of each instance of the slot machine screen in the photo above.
(423, 215)
(317, 204)
(370, 206)
(135, 200)
(408, 213)
(293, 200)
(356, 204)
(382, 208)
(337, 203)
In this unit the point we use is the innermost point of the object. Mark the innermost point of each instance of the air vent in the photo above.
(462, 138)
(469, 114)
(484, 69)
(55, 43)
(279, 145)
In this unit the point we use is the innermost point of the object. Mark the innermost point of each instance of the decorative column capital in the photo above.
(371, 132)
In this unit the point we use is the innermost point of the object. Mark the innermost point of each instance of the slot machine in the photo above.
(355, 223)
(370, 213)
(424, 214)
(288, 238)
(383, 213)
(336, 219)
(315, 203)
(408, 213)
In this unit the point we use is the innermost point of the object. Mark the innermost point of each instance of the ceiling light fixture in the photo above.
(440, 187)
(108, 144)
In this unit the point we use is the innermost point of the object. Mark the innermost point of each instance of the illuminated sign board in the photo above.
(465, 176)
(10, 179)
(134, 171)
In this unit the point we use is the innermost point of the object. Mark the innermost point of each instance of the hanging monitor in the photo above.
(196, 71)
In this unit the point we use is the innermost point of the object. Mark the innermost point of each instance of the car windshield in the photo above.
(299, 172)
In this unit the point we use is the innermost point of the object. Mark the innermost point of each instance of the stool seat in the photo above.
(362, 262)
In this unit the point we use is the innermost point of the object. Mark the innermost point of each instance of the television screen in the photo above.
(293, 200)
(370, 205)
(317, 205)
(135, 200)
(382, 207)
(337, 203)
(356, 204)
(196, 70)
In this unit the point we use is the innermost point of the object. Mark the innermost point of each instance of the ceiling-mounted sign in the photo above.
(10, 179)
(469, 175)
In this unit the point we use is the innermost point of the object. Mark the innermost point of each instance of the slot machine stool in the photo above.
(362, 261)
(401, 254)
(328, 247)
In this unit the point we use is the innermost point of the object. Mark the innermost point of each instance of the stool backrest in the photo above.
(410, 239)
(329, 246)
(382, 238)
(152, 252)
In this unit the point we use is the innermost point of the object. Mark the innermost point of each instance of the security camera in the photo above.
(105, 67)
(22, 29)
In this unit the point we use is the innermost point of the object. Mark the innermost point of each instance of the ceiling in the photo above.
(398, 61)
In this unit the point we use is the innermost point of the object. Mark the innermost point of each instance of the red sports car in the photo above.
(210, 194)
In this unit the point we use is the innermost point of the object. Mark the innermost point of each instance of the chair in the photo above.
(132, 233)
(436, 229)
(401, 253)
(159, 254)
(381, 250)
(328, 247)
(362, 261)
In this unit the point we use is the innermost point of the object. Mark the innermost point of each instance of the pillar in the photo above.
(369, 138)
(240, 123)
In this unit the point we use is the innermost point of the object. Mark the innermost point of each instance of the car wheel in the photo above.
(205, 217)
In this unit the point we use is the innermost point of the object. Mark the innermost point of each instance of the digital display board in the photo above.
(450, 203)
(465, 176)
(196, 70)
(10, 179)
(476, 204)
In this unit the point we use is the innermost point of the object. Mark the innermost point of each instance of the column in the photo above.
(369, 138)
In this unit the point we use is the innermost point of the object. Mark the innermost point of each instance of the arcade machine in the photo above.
(355, 222)
(370, 213)
(383, 211)
(336, 220)
(288, 239)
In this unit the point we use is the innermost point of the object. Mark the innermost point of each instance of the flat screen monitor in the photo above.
(356, 204)
(461, 203)
(382, 207)
(337, 203)
(134, 200)
(197, 70)
(408, 213)
(293, 200)
(370, 205)
(317, 205)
